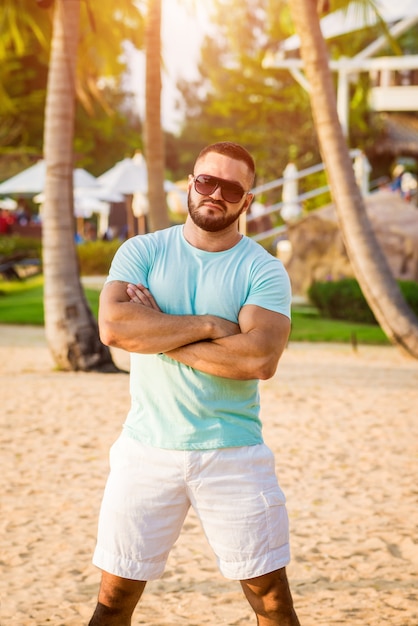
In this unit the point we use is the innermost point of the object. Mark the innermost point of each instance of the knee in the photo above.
(117, 600)
(270, 597)
(116, 597)
(273, 605)
(278, 604)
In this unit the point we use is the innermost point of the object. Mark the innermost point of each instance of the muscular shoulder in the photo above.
(269, 281)
(151, 241)
(137, 255)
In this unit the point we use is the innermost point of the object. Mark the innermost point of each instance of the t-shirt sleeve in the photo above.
(131, 262)
(270, 287)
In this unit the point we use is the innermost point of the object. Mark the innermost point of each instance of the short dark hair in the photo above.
(232, 150)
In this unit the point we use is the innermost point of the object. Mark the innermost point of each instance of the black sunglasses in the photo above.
(206, 185)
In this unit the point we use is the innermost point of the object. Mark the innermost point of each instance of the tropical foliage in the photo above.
(265, 109)
(344, 300)
(244, 101)
(106, 125)
(368, 261)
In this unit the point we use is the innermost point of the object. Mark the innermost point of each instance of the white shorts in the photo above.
(234, 492)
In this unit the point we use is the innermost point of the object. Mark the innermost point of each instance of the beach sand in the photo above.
(344, 428)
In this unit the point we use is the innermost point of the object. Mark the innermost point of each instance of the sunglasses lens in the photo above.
(206, 185)
(232, 192)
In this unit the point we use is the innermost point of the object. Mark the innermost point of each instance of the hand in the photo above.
(141, 295)
(223, 328)
(220, 327)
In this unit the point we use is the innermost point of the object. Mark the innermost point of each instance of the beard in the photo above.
(213, 221)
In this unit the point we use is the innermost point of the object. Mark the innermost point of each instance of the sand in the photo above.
(344, 429)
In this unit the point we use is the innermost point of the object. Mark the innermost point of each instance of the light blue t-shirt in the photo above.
(173, 405)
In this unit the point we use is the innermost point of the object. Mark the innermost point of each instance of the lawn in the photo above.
(307, 325)
(21, 303)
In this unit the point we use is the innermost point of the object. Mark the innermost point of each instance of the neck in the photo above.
(211, 242)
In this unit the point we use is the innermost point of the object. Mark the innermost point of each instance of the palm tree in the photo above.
(369, 263)
(154, 139)
(70, 328)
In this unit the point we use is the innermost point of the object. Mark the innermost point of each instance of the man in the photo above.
(205, 313)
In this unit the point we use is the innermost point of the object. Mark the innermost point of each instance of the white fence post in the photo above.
(362, 170)
(291, 208)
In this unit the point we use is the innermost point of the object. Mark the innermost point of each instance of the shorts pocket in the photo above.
(277, 519)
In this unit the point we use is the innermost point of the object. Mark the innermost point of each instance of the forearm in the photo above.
(131, 319)
(239, 357)
(136, 328)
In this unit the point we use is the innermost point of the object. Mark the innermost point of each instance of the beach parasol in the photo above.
(32, 180)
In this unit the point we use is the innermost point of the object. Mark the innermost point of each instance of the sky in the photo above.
(181, 34)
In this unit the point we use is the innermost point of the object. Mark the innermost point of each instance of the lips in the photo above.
(214, 205)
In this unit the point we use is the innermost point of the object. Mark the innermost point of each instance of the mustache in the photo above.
(215, 202)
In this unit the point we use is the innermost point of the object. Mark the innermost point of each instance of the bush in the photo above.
(409, 290)
(95, 257)
(15, 246)
(344, 300)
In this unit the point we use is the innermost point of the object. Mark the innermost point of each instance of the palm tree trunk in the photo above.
(71, 331)
(154, 139)
(369, 263)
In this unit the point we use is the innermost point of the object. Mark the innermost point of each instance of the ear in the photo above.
(248, 200)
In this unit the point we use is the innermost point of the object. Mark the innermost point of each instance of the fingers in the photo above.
(227, 328)
(142, 295)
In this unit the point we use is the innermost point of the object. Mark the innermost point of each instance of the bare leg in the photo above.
(270, 599)
(117, 600)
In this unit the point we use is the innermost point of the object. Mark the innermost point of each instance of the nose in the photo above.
(217, 194)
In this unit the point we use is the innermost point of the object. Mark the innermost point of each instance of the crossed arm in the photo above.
(130, 318)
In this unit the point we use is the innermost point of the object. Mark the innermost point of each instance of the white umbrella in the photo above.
(98, 193)
(126, 177)
(83, 178)
(85, 207)
(8, 204)
(32, 180)
(130, 178)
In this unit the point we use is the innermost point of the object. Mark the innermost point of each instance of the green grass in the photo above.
(22, 303)
(307, 325)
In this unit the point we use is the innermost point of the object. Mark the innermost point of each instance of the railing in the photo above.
(289, 207)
